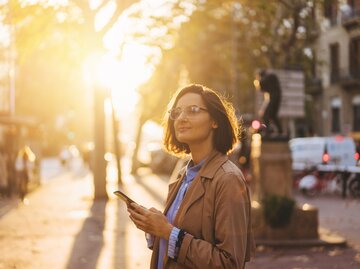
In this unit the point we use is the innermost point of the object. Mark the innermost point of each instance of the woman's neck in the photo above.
(199, 154)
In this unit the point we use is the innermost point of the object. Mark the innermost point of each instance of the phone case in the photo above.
(124, 197)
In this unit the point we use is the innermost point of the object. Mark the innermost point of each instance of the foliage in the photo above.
(278, 210)
(166, 76)
(222, 43)
(52, 40)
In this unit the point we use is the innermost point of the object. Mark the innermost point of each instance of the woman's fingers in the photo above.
(150, 220)
(138, 208)
(138, 219)
(136, 214)
(155, 210)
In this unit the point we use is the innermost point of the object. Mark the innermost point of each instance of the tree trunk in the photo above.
(99, 150)
(135, 164)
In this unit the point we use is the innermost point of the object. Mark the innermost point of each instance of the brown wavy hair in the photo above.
(221, 111)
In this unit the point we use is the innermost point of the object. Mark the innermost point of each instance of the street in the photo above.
(338, 215)
(61, 226)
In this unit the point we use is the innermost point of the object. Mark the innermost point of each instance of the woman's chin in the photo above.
(182, 139)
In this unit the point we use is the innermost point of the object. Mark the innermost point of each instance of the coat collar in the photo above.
(209, 168)
(212, 164)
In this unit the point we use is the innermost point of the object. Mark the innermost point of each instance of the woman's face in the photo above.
(193, 125)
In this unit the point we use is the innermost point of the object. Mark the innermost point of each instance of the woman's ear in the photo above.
(214, 125)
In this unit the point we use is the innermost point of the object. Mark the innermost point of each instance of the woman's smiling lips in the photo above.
(182, 129)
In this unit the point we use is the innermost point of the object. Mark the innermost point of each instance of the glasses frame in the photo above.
(188, 111)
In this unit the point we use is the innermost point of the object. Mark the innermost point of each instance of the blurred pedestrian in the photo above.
(24, 165)
(65, 156)
(206, 222)
(86, 154)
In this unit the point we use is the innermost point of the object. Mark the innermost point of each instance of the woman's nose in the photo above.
(182, 116)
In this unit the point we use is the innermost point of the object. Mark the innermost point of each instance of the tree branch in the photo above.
(103, 4)
(120, 8)
(286, 4)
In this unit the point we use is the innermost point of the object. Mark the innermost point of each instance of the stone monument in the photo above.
(272, 177)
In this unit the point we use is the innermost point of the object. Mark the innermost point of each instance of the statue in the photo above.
(270, 85)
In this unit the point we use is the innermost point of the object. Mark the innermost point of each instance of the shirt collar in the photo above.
(191, 169)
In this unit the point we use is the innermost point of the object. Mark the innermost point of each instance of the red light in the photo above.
(256, 124)
(339, 138)
(356, 156)
(326, 158)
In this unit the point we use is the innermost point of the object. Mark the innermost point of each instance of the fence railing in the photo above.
(350, 14)
(345, 74)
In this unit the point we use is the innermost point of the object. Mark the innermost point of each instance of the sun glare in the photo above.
(125, 66)
(122, 77)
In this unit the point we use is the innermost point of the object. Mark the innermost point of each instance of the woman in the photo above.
(206, 222)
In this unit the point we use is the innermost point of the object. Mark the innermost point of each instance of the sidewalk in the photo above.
(62, 227)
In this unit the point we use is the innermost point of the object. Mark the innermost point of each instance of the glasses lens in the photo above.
(175, 113)
(191, 110)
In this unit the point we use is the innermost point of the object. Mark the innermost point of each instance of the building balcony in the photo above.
(349, 78)
(314, 86)
(351, 19)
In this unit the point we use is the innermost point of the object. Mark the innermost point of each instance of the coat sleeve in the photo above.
(231, 223)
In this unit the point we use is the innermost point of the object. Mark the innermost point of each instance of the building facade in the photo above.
(336, 93)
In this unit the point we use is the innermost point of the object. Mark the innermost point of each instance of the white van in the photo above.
(310, 151)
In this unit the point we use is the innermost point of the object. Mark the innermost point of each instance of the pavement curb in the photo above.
(325, 239)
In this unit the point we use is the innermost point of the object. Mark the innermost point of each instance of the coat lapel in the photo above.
(194, 193)
(197, 189)
(173, 190)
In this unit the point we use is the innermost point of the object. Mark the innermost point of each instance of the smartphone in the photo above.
(124, 197)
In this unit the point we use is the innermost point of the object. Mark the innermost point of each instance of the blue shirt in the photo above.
(191, 172)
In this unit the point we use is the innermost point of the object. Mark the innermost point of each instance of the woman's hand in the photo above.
(151, 221)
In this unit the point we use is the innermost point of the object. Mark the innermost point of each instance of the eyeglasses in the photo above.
(190, 111)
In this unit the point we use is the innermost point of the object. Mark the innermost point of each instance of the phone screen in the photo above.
(124, 197)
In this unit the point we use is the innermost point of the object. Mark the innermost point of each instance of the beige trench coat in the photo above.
(215, 213)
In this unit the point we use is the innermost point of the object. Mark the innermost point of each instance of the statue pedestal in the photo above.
(272, 175)
(271, 167)
(303, 225)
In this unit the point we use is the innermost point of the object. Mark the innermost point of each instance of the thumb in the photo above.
(155, 210)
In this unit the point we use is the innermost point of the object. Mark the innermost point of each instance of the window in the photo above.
(330, 10)
(355, 5)
(356, 113)
(355, 58)
(335, 114)
(335, 119)
(334, 62)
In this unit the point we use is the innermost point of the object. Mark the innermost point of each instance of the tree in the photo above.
(52, 40)
(222, 43)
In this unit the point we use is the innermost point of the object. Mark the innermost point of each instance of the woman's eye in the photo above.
(194, 109)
